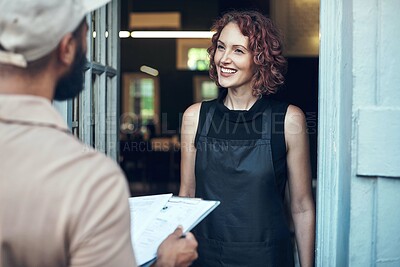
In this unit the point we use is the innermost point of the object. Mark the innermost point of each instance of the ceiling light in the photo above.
(149, 70)
(171, 34)
(124, 34)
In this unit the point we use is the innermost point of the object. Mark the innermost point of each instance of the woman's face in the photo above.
(233, 59)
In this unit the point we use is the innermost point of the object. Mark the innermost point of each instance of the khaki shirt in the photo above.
(61, 203)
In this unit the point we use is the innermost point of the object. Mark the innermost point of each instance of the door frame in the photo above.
(334, 133)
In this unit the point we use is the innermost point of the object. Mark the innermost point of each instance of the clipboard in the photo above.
(162, 214)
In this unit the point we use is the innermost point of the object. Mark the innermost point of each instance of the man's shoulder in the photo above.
(70, 155)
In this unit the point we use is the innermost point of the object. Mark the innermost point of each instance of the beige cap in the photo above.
(31, 29)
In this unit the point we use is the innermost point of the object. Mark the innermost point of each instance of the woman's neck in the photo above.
(239, 100)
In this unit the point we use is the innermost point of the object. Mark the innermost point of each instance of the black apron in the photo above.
(249, 227)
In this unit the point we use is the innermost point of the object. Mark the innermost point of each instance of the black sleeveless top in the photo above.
(237, 164)
(247, 124)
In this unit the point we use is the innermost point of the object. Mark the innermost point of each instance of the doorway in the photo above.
(176, 82)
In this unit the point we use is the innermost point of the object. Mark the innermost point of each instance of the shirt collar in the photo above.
(32, 110)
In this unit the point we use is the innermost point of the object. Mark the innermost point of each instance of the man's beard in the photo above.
(69, 86)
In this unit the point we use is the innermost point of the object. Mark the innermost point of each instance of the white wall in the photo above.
(375, 184)
(358, 214)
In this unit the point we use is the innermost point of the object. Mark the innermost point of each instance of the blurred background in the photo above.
(161, 77)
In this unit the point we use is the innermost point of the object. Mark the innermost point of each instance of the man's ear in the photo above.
(67, 49)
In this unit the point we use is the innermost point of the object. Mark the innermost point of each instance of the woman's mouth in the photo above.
(227, 71)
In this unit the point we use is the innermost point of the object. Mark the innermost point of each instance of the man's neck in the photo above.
(17, 83)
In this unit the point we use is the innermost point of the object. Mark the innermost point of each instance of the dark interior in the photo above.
(150, 171)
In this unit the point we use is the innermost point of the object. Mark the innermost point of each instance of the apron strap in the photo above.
(266, 123)
(207, 124)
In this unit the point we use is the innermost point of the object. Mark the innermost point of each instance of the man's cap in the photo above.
(31, 29)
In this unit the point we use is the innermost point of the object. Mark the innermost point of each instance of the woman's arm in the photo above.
(188, 150)
(299, 177)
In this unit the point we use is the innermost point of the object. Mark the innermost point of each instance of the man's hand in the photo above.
(176, 250)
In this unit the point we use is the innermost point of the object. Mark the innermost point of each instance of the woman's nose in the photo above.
(225, 57)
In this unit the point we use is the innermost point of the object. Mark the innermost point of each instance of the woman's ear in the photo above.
(67, 49)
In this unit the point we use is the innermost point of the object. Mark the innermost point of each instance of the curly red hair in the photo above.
(265, 43)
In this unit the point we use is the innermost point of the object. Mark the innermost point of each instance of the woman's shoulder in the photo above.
(197, 107)
(295, 120)
(294, 113)
(196, 111)
(191, 114)
(194, 108)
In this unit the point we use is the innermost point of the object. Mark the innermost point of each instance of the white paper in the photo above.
(143, 210)
(157, 222)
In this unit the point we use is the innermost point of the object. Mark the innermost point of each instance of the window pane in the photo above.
(198, 59)
(147, 103)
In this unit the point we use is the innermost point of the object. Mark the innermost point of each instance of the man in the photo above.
(60, 204)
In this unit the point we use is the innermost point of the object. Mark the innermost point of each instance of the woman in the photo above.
(243, 147)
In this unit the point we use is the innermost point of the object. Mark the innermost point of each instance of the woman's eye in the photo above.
(220, 47)
(239, 51)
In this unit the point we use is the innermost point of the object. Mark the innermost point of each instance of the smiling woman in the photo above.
(243, 148)
(265, 49)
(232, 58)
